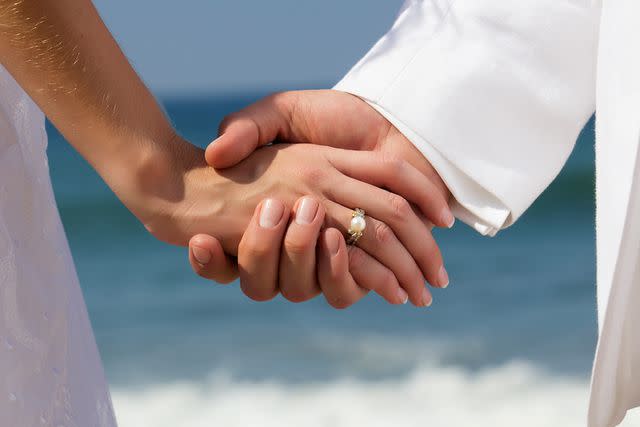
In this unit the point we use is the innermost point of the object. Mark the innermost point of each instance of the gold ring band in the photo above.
(357, 226)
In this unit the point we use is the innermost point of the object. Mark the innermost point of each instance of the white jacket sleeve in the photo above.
(494, 93)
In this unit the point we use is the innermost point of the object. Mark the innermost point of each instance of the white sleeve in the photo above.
(492, 92)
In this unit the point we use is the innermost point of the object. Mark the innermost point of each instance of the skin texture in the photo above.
(398, 239)
(61, 53)
(326, 118)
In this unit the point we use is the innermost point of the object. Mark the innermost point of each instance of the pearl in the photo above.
(358, 224)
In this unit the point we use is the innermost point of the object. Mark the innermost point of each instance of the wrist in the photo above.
(148, 174)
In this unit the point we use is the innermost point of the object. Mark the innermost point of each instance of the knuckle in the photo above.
(383, 234)
(278, 101)
(298, 247)
(253, 249)
(400, 207)
(281, 100)
(312, 175)
(274, 97)
(227, 120)
(430, 255)
(357, 258)
(386, 279)
(392, 163)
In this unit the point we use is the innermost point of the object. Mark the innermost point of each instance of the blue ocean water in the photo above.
(519, 318)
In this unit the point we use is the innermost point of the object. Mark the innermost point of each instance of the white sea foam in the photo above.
(516, 394)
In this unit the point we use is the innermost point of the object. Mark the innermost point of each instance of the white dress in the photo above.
(50, 369)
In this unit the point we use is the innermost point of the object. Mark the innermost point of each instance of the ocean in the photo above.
(510, 342)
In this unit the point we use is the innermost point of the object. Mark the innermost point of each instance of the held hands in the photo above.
(105, 111)
(186, 197)
(397, 249)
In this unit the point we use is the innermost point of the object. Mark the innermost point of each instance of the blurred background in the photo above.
(509, 343)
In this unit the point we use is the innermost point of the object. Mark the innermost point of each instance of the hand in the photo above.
(321, 117)
(344, 274)
(299, 279)
(199, 199)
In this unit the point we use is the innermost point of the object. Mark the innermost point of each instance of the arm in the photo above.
(64, 57)
(61, 53)
(491, 96)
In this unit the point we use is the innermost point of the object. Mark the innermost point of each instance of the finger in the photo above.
(397, 213)
(369, 274)
(399, 177)
(423, 219)
(298, 281)
(337, 284)
(208, 259)
(240, 137)
(244, 131)
(322, 117)
(381, 243)
(259, 250)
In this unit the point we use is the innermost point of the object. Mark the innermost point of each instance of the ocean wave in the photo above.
(515, 394)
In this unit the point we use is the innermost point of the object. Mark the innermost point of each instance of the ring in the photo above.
(357, 226)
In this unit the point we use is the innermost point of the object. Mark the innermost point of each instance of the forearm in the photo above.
(64, 57)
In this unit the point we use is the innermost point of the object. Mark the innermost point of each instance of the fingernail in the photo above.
(427, 299)
(215, 140)
(333, 243)
(306, 211)
(448, 218)
(403, 296)
(201, 255)
(443, 277)
(271, 213)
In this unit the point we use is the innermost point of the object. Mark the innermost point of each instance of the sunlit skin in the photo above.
(324, 117)
(64, 57)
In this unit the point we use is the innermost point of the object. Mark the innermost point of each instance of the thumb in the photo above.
(323, 117)
(236, 142)
(243, 132)
(208, 260)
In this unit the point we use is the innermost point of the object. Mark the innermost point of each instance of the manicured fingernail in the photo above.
(306, 211)
(443, 277)
(333, 244)
(201, 255)
(427, 300)
(448, 218)
(403, 296)
(271, 213)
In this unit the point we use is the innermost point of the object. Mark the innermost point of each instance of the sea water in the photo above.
(509, 343)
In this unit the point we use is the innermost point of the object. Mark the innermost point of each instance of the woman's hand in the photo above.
(198, 199)
(301, 260)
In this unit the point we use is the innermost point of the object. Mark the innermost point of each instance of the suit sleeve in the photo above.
(492, 93)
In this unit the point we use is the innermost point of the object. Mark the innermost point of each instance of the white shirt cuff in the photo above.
(472, 204)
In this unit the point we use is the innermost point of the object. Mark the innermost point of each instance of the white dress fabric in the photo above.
(50, 370)
(494, 93)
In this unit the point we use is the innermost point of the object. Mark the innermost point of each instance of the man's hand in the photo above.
(320, 117)
(323, 117)
(343, 274)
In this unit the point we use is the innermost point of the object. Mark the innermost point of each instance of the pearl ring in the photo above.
(357, 226)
